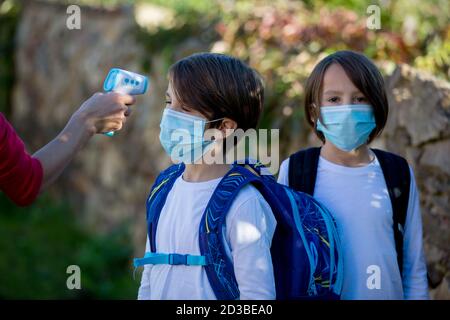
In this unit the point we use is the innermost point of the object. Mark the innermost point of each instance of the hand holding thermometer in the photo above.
(125, 82)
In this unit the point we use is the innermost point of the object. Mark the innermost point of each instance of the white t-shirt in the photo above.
(359, 201)
(250, 225)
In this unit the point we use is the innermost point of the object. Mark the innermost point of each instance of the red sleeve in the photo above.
(20, 174)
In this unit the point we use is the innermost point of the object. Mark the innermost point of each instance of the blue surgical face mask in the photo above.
(182, 136)
(347, 126)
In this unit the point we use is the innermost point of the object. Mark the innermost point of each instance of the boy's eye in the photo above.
(361, 99)
(333, 99)
(168, 102)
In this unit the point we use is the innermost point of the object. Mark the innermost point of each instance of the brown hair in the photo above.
(219, 86)
(364, 75)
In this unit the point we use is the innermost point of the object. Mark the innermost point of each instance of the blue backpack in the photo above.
(306, 251)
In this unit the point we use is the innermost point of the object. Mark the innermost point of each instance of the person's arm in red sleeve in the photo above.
(22, 177)
(20, 174)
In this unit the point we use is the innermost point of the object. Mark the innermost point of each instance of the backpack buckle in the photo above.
(177, 259)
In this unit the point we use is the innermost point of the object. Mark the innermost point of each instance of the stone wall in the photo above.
(57, 69)
(418, 129)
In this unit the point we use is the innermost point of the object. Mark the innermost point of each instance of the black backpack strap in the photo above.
(303, 170)
(398, 178)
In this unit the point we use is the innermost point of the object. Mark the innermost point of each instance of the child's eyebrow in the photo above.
(332, 92)
(339, 92)
(167, 94)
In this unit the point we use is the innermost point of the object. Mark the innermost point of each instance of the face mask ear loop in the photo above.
(214, 120)
(319, 115)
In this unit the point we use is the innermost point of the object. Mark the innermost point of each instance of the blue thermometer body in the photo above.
(124, 82)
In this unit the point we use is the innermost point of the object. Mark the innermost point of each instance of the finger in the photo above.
(116, 110)
(114, 126)
(133, 101)
(118, 114)
(123, 108)
(127, 99)
(119, 97)
(128, 112)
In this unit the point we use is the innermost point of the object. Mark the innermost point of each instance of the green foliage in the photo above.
(191, 19)
(38, 243)
(437, 55)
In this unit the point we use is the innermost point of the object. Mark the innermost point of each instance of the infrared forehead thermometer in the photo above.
(124, 82)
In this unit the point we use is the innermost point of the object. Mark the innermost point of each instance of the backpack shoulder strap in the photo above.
(303, 170)
(157, 197)
(398, 178)
(220, 271)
